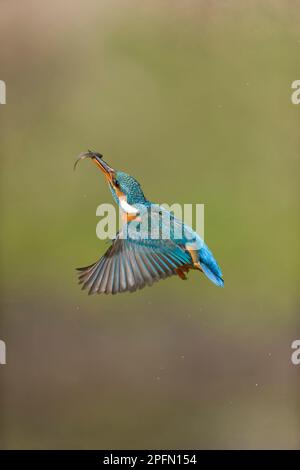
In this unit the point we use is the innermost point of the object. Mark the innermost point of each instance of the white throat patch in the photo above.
(127, 207)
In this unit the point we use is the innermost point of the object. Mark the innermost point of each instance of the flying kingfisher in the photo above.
(151, 245)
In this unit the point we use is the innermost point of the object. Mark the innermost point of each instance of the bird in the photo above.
(147, 248)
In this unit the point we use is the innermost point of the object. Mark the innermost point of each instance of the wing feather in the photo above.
(131, 264)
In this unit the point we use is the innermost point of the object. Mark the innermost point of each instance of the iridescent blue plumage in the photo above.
(150, 246)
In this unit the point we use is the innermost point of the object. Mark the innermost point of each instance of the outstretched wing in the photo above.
(130, 264)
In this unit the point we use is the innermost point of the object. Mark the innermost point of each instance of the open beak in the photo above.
(97, 158)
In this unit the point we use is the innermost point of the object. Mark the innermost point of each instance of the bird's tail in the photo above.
(212, 276)
(210, 267)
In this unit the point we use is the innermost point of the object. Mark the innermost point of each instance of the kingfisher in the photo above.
(152, 243)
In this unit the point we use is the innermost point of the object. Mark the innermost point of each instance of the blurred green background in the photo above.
(193, 98)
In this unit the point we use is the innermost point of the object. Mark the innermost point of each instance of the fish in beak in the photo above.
(97, 158)
(110, 176)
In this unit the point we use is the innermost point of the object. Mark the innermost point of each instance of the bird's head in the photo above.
(123, 186)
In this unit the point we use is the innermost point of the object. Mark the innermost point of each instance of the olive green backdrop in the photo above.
(193, 98)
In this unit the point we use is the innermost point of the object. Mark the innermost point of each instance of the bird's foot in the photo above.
(197, 265)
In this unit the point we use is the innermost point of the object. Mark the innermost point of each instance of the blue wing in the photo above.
(136, 258)
(129, 265)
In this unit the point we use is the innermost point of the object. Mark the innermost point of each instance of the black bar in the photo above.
(138, 458)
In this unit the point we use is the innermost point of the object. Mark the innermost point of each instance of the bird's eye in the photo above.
(116, 183)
